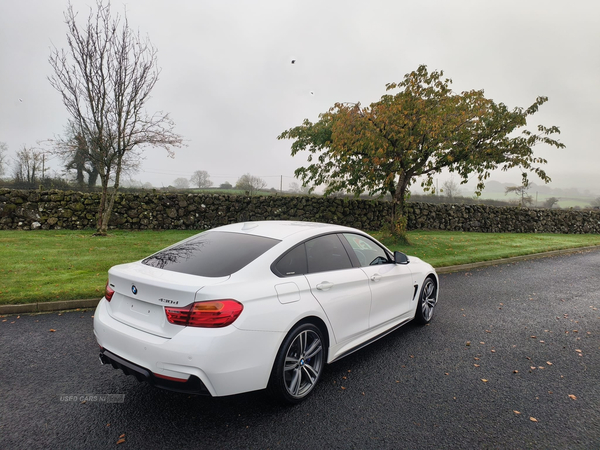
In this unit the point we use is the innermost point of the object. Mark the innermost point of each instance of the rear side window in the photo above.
(326, 253)
(211, 254)
(292, 263)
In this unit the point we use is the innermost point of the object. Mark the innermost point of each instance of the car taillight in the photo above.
(211, 314)
(108, 293)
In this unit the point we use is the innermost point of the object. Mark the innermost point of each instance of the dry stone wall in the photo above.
(494, 219)
(29, 210)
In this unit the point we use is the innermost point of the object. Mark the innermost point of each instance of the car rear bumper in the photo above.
(193, 385)
(225, 361)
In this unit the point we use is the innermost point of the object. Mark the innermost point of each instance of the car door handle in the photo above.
(375, 277)
(324, 286)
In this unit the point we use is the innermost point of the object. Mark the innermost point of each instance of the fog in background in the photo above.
(228, 82)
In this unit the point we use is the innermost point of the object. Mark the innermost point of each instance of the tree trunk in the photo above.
(109, 201)
(79, 177)
(400, 195)
(102, 207)
(400, 201)
(399, 217)
(92, 178)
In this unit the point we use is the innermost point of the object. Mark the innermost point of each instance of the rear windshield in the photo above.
(211, 254)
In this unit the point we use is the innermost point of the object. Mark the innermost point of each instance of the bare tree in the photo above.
(105, 77)
(181, 183)
(28, 166)
(250, 183)
(3, 157)
(201, 178)
(596, 202)
(294, 187)
(299, 188)
(450, 188)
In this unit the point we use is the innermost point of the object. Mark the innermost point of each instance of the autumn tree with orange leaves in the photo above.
(419, 128)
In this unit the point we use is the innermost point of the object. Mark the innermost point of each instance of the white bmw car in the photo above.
(257, 305)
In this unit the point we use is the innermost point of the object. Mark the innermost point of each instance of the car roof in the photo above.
(282, 229)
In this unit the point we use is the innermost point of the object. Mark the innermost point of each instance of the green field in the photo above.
(68, 265)
(563, 202)
(448, 248)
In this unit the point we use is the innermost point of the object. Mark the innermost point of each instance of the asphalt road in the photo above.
(511, 360)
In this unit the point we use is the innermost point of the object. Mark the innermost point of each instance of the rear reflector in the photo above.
(211, 314)
(164, 377)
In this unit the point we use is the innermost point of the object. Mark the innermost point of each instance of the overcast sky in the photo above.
(228, 82)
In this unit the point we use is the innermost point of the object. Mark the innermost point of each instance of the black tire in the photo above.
(298, 365)
(427, 301)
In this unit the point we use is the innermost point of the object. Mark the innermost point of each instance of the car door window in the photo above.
(368, 252)
(326, 253)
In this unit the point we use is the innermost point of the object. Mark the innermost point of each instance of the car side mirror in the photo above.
(400, 258)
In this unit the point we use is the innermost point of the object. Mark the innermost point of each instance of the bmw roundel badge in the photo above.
(133, 289)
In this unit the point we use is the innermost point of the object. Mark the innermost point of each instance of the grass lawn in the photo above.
(448, 248)
(66, 265)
